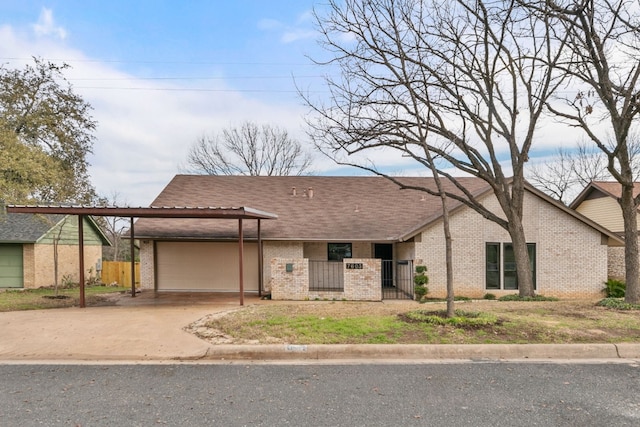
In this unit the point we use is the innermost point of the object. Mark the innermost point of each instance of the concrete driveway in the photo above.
(147, 327)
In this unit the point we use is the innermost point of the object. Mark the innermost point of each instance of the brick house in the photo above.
(359, 238)
(27, 248)
(598, 202)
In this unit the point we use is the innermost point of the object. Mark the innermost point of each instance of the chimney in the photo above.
(293, 191)
(310, 192)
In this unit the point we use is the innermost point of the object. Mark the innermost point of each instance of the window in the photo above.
(338, 251)
(500, 264)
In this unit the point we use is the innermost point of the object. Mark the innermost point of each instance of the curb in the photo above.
(423, 352)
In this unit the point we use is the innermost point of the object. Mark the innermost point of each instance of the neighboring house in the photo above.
(27, 249)
(598, 202)
(359, 238)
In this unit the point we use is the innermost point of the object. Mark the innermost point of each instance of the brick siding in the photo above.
(359, 284)
(571, 260)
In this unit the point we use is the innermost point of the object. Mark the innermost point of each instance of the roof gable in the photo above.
(35, 228)
(597, 189)
(26, 228)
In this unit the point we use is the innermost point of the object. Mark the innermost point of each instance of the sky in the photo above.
(160, 74)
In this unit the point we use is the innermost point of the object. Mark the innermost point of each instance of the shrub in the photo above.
(614, 288)
(461, 318)
(617, 304)
(516, 297)
(420, 280)
(489, 296)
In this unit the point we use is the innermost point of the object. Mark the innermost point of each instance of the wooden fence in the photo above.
(120, 272)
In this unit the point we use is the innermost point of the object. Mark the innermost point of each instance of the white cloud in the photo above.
(46, 26)
(290, 33)
(143, 133)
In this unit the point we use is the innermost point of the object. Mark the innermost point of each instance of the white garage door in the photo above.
(208, 266)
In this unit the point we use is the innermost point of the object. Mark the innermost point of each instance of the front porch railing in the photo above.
(326, 276)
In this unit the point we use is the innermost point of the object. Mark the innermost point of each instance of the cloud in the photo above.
(145, 127)
(290, 33)
(46, 26)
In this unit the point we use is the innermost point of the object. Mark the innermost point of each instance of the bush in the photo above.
(516, 297)
(420, 281)
(489, 296)
(461, 318)
(614, 288)
(617, 304)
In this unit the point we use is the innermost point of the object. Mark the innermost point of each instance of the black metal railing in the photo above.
(397, 284)
(326, 276)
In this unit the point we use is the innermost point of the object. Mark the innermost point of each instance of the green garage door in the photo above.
(11, 266)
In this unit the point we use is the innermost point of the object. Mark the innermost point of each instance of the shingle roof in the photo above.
(609, 188)
(25, 228)
(340, 208)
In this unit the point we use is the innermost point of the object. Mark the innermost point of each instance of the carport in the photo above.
(239, 214)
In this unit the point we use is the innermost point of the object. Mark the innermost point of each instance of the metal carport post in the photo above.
(149, 212)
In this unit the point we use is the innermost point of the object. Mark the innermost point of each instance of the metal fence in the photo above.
(326, 276)
(397, 283)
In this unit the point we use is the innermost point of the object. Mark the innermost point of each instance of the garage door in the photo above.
(210, 266)
(11, 266)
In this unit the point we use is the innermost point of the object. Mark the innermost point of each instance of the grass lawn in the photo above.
(37, 299)
(479, 322)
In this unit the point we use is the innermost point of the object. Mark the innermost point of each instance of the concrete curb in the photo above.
(423, 352)
(357, 352)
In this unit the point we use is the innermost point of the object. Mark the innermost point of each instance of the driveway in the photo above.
(147, 327)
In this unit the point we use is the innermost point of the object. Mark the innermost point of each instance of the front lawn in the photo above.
(480, 322)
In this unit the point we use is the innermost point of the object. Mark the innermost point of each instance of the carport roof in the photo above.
(147, 212)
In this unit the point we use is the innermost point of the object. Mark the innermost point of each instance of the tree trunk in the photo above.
(448, 257)
(631, 261)
(521, 255)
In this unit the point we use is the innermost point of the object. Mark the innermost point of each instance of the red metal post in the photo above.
(81, 259)
(241, 255)
(260, 266)
(132, 249)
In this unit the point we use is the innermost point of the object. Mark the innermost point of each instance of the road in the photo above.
(439, 394)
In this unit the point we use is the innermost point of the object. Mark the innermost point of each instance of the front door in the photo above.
(384, 251)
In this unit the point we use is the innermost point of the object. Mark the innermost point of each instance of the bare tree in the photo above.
(248, 150)
(603, 63)
(472, 74)
(568, 171)
(115, 228)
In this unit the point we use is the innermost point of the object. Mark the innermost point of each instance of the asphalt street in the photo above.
(427, 394)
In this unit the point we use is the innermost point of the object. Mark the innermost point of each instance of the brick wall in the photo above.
(289, 285)
(68, 264)
(276, 249)
(360, 284)
(571, 259)
(147, 265)
(28, 266)
(615, 265)
(363, 284)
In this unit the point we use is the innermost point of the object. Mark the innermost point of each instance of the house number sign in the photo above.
(354, 266)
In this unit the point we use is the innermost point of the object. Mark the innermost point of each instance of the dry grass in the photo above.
(356, 322)
(43, 298)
